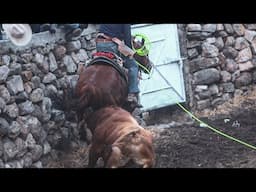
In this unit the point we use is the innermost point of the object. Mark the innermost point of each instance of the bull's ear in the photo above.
(80, 68)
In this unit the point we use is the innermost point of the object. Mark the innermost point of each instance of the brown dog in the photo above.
(118, 138)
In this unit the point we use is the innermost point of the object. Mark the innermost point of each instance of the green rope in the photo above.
(147, 71)
(215, 130)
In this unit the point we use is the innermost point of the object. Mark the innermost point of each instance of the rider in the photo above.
(104, 43)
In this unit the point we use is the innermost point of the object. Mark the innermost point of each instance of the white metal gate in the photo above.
(166, 86)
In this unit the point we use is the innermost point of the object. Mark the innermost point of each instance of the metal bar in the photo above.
(173, 61)
(140, 25)
(148, 92)
(157, 40)
(168, 83)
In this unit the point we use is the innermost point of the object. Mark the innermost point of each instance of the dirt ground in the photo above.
(181, 142)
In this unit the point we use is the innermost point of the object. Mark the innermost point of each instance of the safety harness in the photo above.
(111, 59)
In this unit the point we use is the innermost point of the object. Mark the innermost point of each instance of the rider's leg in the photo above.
(133, 87)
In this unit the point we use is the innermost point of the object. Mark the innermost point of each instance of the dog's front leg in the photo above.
(114, 158)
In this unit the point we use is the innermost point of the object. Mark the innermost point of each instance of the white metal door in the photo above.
(166, 85)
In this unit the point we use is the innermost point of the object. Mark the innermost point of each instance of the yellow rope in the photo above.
(148, 72)
(214, 129)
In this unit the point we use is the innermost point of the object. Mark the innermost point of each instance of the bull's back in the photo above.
(104, 84)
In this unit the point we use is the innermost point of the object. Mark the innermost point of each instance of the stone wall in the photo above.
(221, 62)
(30, 126)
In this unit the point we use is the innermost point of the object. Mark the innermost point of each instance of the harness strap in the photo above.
(108, 61)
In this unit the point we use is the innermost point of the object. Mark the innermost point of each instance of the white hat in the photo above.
(19, 34)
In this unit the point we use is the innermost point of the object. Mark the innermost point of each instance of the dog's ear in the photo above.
(133, 134)
(135, 137)
(131, 137)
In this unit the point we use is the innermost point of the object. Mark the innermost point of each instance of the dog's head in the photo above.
(138, 147)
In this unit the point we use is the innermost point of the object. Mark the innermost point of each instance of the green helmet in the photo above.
(141, 44)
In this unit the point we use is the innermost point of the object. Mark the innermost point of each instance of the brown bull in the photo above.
(100, 85)
(118, 139)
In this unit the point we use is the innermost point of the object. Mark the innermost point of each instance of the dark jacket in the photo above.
(121, 31)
